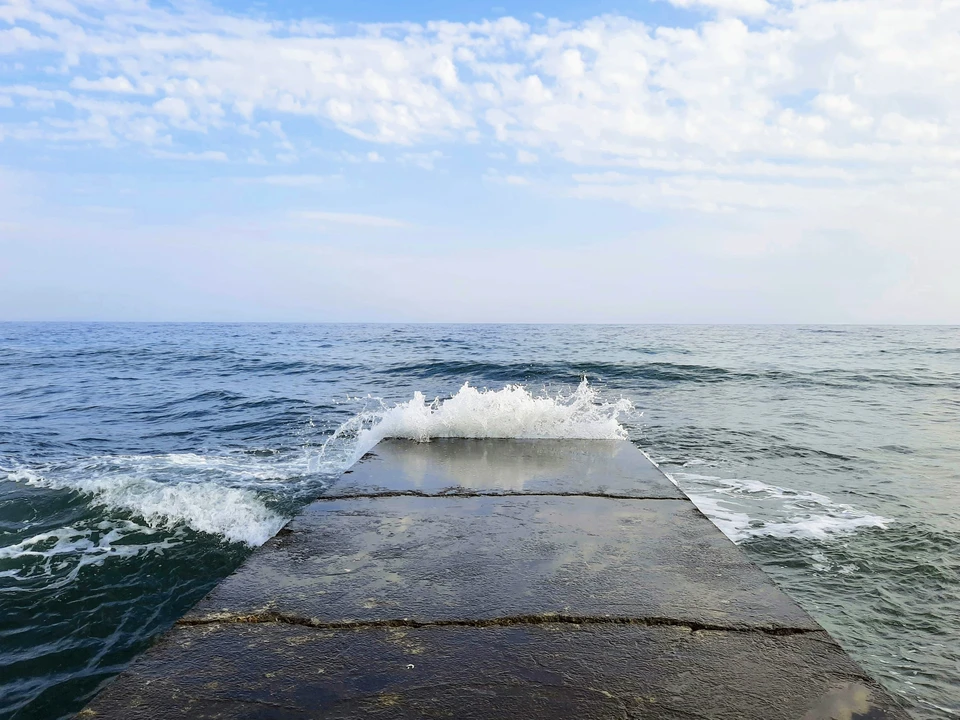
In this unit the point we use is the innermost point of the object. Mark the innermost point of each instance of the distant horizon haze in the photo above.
(441, 323)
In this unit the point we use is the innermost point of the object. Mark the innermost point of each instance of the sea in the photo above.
(142, 463)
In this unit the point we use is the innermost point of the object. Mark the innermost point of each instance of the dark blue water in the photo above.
(139, 464)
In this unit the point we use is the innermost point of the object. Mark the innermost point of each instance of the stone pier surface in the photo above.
(528, 579)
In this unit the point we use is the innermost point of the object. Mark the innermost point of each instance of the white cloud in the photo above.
(173, 107)
(753, 8)
(106, 210)
(204, 156)
(117, 84)
(371, 221)
(882, 75)
(525, 157)
(18, 39)
(296, 180)
(422, 160)
(494, 176)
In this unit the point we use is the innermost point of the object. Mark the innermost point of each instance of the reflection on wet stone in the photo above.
(458, 466)
(850, 702)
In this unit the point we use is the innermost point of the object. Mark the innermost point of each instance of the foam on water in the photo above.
(511, 412)
(748, 509)
(240, 470)
(235, 514)
(58, 555)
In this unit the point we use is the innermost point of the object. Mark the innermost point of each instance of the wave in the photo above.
(243, 470)
(237, 515)
(658, 372)
(749, 509)
(511, 412)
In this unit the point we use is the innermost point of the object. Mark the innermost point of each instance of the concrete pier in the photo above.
(526, 579)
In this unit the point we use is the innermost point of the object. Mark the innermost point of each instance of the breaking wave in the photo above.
(236, 514)
(511, 412)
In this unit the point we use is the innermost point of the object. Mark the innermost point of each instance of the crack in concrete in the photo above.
(475, 494)
(558, 619)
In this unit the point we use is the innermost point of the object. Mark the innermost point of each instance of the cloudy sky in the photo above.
(638, 161)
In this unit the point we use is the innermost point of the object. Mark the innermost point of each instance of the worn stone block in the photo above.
(458, 558)
(556, 671)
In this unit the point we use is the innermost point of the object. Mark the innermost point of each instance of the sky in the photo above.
(688, 161)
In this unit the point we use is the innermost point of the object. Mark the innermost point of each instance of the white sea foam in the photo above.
(238, 515)
(58, 555)
(234, 470)
(746, 509)
(511, 412)
(209, 505)
(161, 511)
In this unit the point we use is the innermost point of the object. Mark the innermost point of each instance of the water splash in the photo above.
(511, 412)
(207, 506)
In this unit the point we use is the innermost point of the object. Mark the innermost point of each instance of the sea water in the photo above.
(140, 464)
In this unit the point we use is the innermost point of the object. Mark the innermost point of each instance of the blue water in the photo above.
(139, 464)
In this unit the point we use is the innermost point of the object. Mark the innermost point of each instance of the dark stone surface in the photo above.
(443, 466)
(588, 672)
(455, 558)
(486, 580)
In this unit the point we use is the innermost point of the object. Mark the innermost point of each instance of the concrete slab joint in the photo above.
(498, 579)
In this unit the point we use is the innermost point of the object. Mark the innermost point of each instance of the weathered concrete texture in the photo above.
(429, 559)
(448, 466)
(492, 580)
(586, 672)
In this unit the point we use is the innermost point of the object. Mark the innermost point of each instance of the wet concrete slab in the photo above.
(498, 579)
(444, 558)
(463, 466)
(557, 671)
